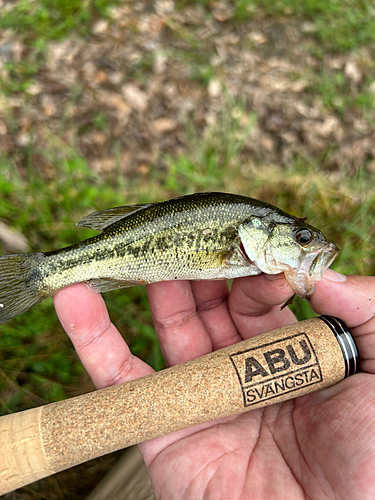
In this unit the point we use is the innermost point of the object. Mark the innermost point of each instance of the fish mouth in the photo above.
(311, 269)
(323, 259)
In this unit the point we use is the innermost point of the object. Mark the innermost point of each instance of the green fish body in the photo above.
(195, 237)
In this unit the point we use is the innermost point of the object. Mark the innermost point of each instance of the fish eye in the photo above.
(304, 236)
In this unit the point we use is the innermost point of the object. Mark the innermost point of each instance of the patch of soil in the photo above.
(133, 84)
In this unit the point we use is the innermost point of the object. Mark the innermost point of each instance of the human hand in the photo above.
(321, 445)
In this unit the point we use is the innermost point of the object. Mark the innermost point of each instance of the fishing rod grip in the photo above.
(266, 369)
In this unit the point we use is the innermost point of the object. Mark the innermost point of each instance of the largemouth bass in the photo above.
(202, 236)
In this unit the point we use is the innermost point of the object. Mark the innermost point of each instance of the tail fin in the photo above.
(19, 283)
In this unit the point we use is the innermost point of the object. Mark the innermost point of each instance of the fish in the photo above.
(201, 236)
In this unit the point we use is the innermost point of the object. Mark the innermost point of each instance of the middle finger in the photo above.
(254, 304)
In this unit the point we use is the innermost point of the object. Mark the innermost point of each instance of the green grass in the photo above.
(214, 159)
(336, 95)
(38, 363)
(341, 25)
(40, 21)
(20, 74)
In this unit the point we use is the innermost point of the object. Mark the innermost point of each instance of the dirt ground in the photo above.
(131, 87)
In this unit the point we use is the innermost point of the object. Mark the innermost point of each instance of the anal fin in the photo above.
(108, 284)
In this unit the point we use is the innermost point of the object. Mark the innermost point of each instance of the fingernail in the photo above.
(332, 275)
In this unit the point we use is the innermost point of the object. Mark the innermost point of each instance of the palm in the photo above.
(313, 447)
(317, 446)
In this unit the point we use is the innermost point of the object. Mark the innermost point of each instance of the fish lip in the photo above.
(311, 270)
(323, 259)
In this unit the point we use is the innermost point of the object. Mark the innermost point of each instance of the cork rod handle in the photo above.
(22, 457)
(267, 369)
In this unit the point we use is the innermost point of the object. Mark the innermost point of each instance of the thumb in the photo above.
(352, 299)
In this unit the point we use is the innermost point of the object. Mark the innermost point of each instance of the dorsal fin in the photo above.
(104, 218)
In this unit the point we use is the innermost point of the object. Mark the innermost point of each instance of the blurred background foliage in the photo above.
(73, 144)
